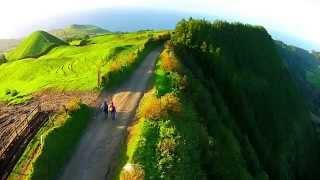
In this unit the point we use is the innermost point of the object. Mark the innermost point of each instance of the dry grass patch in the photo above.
(152, 107)
(132, 172)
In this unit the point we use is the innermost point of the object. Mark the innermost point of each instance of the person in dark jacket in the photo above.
(113, 111)
(104, 108)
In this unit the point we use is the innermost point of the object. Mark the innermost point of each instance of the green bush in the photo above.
(2, 59)
(121, 70)
(7, 92)
(13, 92)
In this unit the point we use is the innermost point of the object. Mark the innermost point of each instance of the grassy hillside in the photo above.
(70, 67)
(35, 45)
(76, 31)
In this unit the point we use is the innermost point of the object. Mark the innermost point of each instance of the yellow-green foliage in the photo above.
(168, 61)
(80, 68)
(132, 172)
(73, 104)
(152, 107)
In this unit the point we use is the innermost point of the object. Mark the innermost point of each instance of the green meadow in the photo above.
(69, 67)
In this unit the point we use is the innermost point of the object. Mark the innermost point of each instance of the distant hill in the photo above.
(77, 31)
(35, 45)
(7, 44)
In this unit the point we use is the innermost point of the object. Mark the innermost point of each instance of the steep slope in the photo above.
(35, 45)
(77, 31)
(304, 68)
(248, 103)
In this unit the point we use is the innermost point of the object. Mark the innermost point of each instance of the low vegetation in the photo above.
(165, 142)
(2, 59)
(52, 146)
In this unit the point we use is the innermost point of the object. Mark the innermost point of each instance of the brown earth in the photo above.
(19, 123)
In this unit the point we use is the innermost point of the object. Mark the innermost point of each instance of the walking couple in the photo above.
(106, 108)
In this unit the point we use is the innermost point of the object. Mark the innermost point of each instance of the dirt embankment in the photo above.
(19, 123)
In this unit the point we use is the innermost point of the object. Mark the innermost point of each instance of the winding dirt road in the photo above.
(99, 146)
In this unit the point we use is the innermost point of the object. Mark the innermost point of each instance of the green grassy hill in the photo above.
(71, 67)
(76, 31)
(35, 45)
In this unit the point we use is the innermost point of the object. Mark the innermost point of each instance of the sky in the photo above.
(297, 19)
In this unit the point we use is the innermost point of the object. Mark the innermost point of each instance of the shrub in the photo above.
(14, 92)
(170, 104)
(167, 146)
(121, 69)
(78, 42)
(168, 62)
(149, 107)
(153, 108)
(7, 91)
(2, 59)
(73, 104)
(132, 172)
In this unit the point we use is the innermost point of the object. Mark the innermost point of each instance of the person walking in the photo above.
(113, 111)
(104, 108)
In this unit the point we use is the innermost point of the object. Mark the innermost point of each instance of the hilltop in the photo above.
(35, 45)
(77, 31)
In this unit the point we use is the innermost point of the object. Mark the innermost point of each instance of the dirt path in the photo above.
(100, 144)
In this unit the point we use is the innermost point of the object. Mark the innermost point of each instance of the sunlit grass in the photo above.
(69, 67)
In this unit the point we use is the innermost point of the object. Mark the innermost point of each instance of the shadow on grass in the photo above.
(60, 143)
